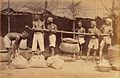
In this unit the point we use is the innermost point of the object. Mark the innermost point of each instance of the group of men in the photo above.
(106, 31)
(38, 37)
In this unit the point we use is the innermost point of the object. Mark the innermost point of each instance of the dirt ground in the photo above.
(71, 69)
(76, 69)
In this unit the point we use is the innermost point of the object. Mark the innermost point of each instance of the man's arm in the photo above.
(76, 29)
(34, 26)
(43, 26)
(55, 27)
(111, 32)
(17, 42)
(89, 30)
(102, 29)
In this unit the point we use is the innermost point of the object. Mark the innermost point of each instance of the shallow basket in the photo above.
(103, 69)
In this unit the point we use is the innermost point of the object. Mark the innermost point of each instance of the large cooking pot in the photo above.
(69, 45)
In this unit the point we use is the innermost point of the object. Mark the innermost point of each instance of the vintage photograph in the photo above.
(59, 38)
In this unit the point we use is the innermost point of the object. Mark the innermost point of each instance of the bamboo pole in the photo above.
(65, 32)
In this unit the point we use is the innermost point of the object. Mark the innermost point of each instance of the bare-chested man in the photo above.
(52, 37)
(106, 29)
(93, 43)
(81, 40)
(17, 37)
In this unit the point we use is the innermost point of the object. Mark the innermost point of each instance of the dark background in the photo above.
(18, 20)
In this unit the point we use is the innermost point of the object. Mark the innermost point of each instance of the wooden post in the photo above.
(74, 28)
(73, 14)
(45, 11)
(8, 16)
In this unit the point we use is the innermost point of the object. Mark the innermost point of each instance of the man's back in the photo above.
(13, 36)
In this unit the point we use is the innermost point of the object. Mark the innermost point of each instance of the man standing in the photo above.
(106, 29)
(93, 43)
(38, 36)
(52, 37)
(17, 37)
(81, 40)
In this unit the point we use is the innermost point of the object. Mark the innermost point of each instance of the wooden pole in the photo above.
(65, 32)
(8, 16)
(73, 7)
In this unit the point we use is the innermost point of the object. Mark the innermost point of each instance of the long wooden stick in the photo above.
(66, 32)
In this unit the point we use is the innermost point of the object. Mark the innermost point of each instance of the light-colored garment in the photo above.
(52, 36)
(52, 40)
(105, 40)
(23, 44)
(38, 37)
(93, 43)
(81, 41)
(7, 42)
(81, 37)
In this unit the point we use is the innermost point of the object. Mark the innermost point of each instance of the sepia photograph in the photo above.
(59, 38)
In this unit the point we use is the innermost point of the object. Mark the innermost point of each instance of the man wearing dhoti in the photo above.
(106, 29)
(52, 37)
(80, 38)
(94, 40)
(38, 37)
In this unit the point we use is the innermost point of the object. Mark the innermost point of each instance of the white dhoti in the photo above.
(7, 42)
(52, 40)
(106, 40)
(81, 41)
(38, 37)
(94, 43)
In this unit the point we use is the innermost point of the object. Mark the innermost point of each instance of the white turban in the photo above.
(109, 20)
(50, 19)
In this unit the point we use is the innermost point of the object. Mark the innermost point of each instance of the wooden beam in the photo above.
(65, 32)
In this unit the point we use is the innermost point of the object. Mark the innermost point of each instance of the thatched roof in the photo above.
(84, 8)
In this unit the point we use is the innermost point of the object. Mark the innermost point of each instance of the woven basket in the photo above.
(19, 62)
(55, 62)
(37, 61)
